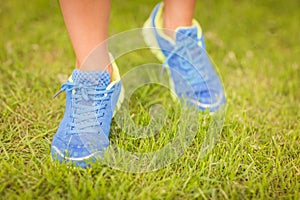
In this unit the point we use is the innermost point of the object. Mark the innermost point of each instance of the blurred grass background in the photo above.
(255, 45)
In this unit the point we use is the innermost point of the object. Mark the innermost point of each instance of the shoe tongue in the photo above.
(99, 77)
(184, 32)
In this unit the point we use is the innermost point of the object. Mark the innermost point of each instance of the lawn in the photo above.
(255, 46)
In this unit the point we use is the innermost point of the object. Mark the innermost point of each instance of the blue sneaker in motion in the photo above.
(90, 103)
(187, 61)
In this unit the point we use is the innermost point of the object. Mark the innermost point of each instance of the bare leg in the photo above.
(178, 13)
(87, 25)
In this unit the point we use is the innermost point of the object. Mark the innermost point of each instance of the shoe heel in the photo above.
(149, 38)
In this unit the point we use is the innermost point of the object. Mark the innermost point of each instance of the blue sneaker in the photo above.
(187, 61)
(83, 133)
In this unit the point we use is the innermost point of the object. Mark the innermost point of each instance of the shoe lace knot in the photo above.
(89, 105)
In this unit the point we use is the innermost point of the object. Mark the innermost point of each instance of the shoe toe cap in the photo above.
(78, 148)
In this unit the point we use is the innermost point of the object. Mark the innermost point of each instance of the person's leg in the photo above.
(177, 13)
(87, 25)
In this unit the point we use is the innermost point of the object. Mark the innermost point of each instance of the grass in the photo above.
(255, 45)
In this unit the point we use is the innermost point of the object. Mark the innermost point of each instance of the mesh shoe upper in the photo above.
(187, 60)
(90, 103)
